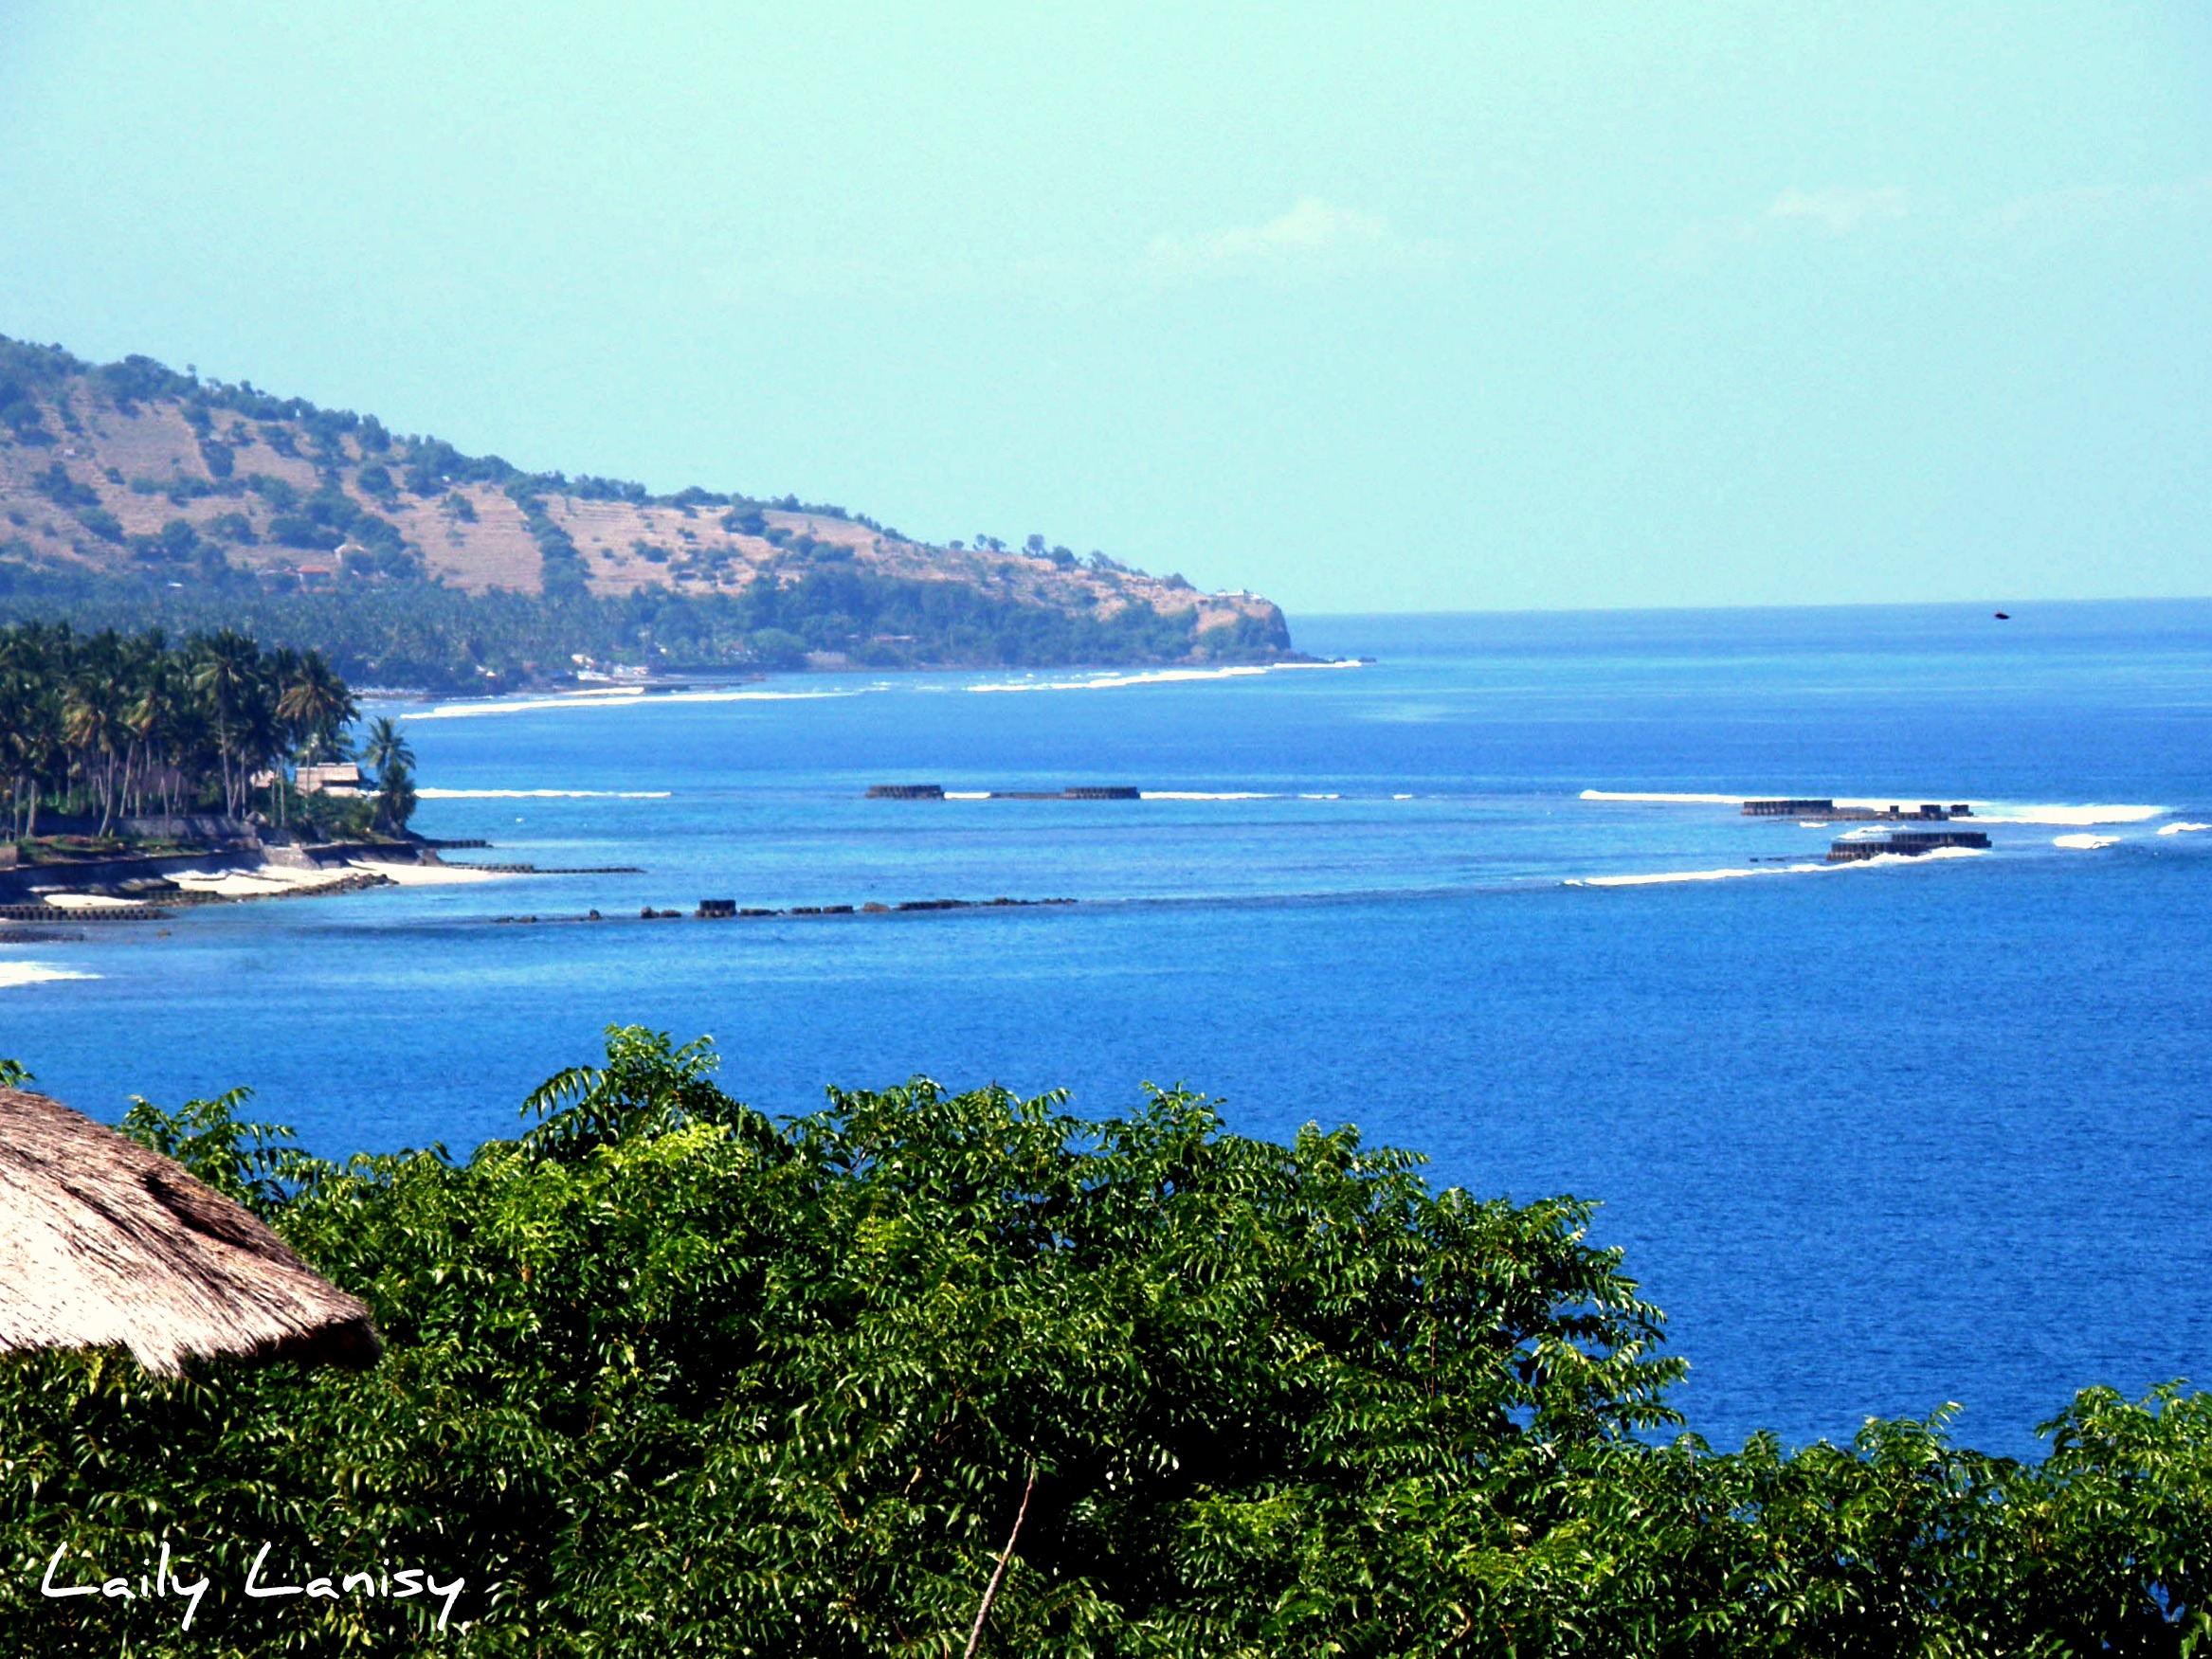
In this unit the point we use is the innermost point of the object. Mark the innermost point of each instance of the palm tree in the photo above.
(384, 747)
(227, 677)
(395, 796)
(315, 703)
(92, 724)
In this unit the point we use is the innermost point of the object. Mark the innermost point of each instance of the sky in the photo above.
(1368, 307)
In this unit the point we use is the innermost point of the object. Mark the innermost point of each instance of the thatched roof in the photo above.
(103, 1243)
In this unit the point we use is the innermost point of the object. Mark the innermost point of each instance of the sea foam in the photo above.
(1153, 677)
(2085, 843)
(2182, 829)
(1661, 878)
(38, 973)
(1664, 798)
(2005, 812)
(622, 697)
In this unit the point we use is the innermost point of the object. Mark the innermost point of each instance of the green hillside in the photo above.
(136, 497)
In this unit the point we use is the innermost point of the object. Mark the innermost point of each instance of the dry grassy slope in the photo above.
(626, 546)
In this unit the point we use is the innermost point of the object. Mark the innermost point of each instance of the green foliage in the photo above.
(665, 1377)
(102, 523)
(241, 1161)
(448, 640)
(395, 798)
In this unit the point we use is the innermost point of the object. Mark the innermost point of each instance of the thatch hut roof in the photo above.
(103, 1243)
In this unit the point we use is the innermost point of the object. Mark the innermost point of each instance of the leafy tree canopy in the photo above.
(668, 1377)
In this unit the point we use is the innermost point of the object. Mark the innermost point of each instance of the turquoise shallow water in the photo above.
(1877, 1137)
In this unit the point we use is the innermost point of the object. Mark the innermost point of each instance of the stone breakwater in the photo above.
(722, 910)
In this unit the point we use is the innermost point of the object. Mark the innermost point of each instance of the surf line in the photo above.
(1665, 877)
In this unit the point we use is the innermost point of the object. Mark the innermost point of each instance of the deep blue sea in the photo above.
(1876, 1137)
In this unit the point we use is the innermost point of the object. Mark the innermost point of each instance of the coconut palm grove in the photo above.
(97, 730)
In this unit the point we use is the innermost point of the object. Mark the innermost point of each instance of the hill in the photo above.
(133, 496)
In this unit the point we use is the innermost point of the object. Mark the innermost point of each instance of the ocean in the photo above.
(1876, 1136)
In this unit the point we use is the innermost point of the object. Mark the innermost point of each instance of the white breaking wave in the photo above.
(967, 794)
(1207, 795)
(1107, 682)
(38, 973)
(1153, 677)
(1661, 878)
(1666, 799)
(2182, 829)
(2004, 812)
(2085, 843)
(429, 793)
(620, 697)
(1665, 877)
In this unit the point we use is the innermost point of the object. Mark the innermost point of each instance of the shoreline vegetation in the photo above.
(136, 497)
(137, 772)
(664, 1375)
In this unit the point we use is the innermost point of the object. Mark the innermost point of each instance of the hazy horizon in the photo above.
(1441, 310)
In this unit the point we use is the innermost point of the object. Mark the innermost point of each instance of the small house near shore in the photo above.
(337, 778)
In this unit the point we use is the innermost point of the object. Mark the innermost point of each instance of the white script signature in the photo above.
(398, 1585)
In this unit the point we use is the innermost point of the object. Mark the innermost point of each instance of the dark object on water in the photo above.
(1926, 812)
(2004, 616)
(104, 1243)
(1909, 843)
(1079, 793)
(717, 907)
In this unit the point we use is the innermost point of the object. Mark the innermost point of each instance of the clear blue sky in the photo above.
(1369, 308)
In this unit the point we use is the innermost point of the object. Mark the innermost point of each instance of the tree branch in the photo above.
(999, 1572)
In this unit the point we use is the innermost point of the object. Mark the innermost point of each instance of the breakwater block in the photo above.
(906, 791)
(1079, 793)
(40, 913)
(1910, 844)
